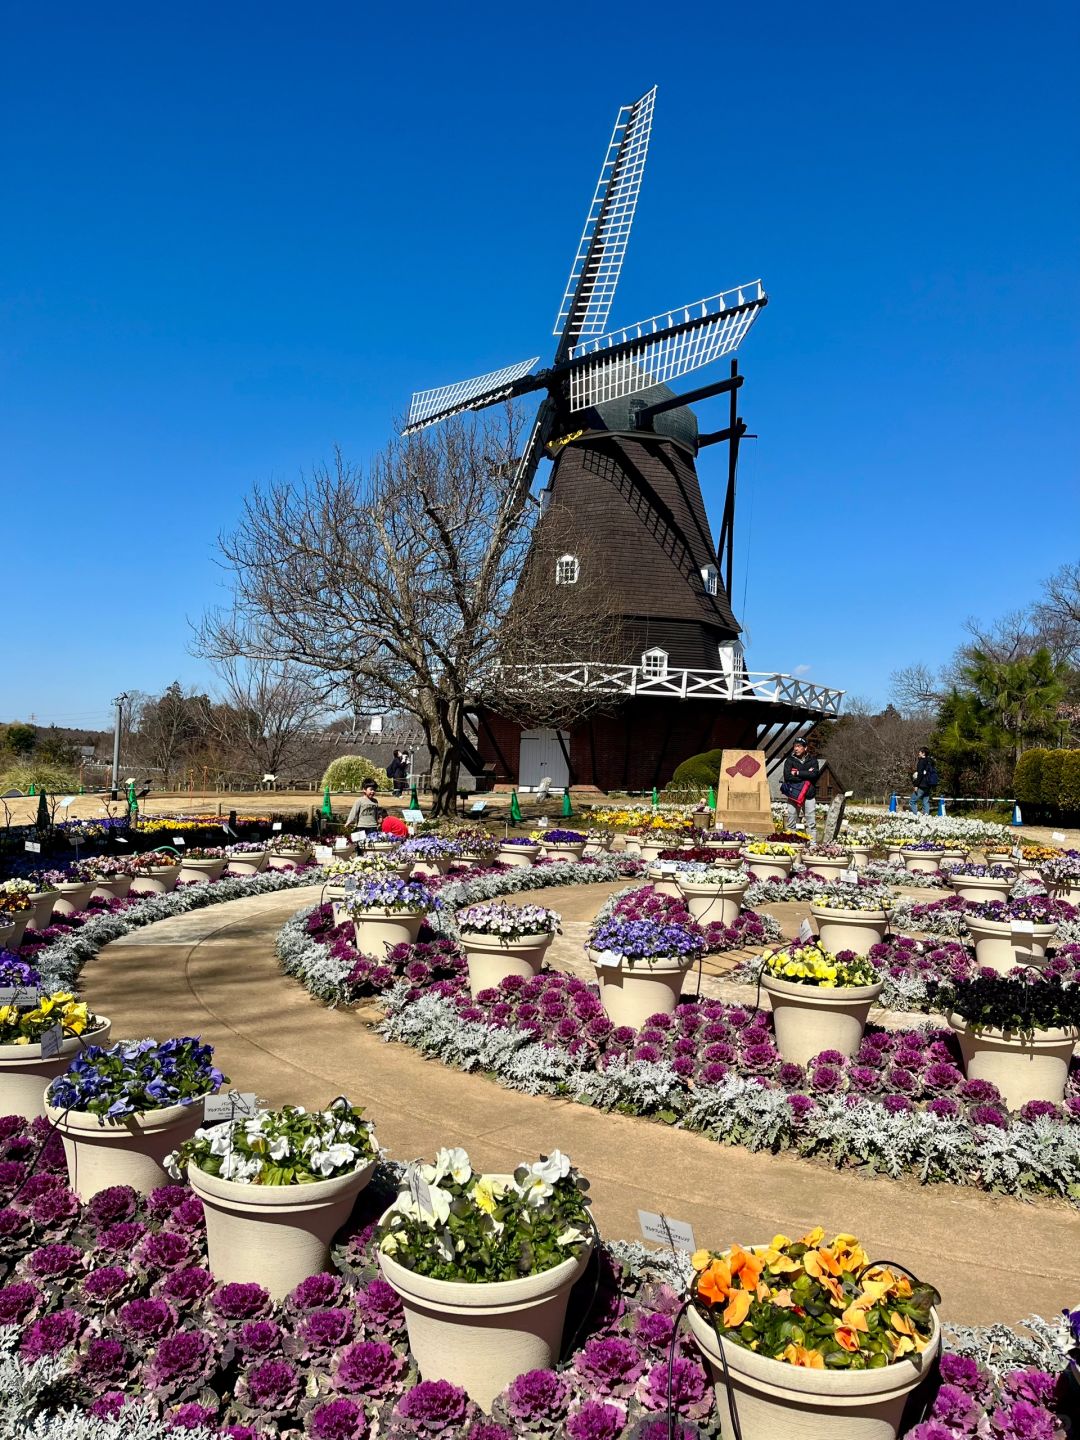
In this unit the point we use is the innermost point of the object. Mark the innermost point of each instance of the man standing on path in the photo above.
(798, 785)
(395, 772)
(926, 782)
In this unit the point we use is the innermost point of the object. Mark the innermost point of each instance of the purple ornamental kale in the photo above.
(271, 1388)
(367, 1368)
(433, 1406)
(612, 1365)
(257, 1339)
(110, 1206)
(51, 1334)
(537, 1397)
(104, 1364)
(337, 1420)
(19, 1303)
(180, 1362)
(238, 1300)
(596, 1420)
(186, 1287)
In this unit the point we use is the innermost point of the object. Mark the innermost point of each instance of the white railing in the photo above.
(680, 684)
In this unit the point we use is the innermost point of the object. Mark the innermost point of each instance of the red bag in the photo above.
(800, 800)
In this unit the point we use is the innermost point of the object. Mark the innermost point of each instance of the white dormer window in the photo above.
(566, 570)
(710, 577)
(654, 664)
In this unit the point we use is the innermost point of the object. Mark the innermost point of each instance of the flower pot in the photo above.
(41, 907)
(158, 881)
(379, 929)
(995, 857)
(631, 993)
(652, 846)
(768, 867)
(1023, 1068)
(999, 949)
(112, 887)
(896, 854)
(860, 857)
(712, 901)
(518, 856)
(664, 882)
(14, 927)
(123, 1152)
(274, 1235)
(921, 862)
(952, 857)
(1067, 890)
(289, 859)
(483, 1335)
(598, 847)
(429, 866)
(773, 1399)
(855, 930)
(24, 1075)
(810, 1018)
(570, 852)
(72, 896)
(1031, 873)
(202, 872)
(253, 862)
(980, 887)
(491, 959)
(827, 867)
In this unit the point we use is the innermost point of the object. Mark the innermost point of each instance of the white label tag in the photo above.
(607, 959)
(350, 884)
(664, 1231)
(120, 840)
(356, 836)
(51, 1041)
(22, 997)
(341, 843)
(1021, 927)
(1057, 837)
(806, 931)
(232, 1105)
(276, 825)
(420, 1190)
(413, 817)
(667, 867)
(478, 807)
(1017, 853)
(33, 847)
(67, 802)
(851, 876)
(178, 841)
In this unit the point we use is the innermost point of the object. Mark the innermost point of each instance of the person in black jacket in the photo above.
(798, 785)
(396, 772)
(926, 780)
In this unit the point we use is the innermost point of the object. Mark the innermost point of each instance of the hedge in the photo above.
(1049, 779)
(348, 772)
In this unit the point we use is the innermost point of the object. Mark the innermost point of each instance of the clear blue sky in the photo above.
(238, 234)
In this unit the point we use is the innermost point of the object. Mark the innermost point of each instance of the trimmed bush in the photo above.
(348, 772)
(703, 770)
(1049, 782)
(1069, 788)
(1027, 777)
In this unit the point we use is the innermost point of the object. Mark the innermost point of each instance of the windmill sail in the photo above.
(594, 274)
(430, 406)
(663, 347)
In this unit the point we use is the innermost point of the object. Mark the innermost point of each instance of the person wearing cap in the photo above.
(364, 815)
(798, 785)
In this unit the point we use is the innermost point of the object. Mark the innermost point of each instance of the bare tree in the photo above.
(267, 709)
(390, 589)
(164, 728)
(916, 690)
(1058, 613)
(874, 751)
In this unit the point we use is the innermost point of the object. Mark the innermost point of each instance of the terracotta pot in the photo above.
(481, 1336)
(999, 949)
(289, 859)
(921, 862)
(979, 887)
(254, 862)
(420, 869)
(773, 1399)
(274, 1235)
(202, 872)
(126, 1152)
(809, 1019)
(158, 881)
(72, 896)
(491, 960)
(41, 908)
(854, 930)
(1022, 1067)
(827, 867)
(379, 930)
(14, 928)
(24, 1075)
(112, 887)
(518, 856)
(710, 901)
(631, 993)
(567, 852)
(768, 867)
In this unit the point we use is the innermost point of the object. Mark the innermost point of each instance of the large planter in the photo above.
(289, 859)
(72, 896)
(631, 993)
(651, 848)
(809, 1018)
(998, 948)
(827, 867)
(112, 887)
(980, 887)
(24, 1075)
(431, 865)
(41, 908)
(13, 928)
(570, 852)
(253, 862)
(664, 882)
(125, 1152)
(777, 1401)
(921, 862)
(274, 1235)
(202, 872)
(1068, 890)
(519, 857)
(996, 857)
(855, 930)
(952, 857)
(1023, 1068)
(158, 881)
(860, 856)
(492, 960)
(598, 846)
(710, 901)
(768, 867)
(481, 1336)
(379, 930)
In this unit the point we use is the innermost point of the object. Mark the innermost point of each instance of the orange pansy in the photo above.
(714, 1284)
(809, 1359)
(746, 1266)
(846, 1337)
(738, 1308)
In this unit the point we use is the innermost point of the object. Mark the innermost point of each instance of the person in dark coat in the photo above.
(396, 772)
(798, 785)
(926, 782)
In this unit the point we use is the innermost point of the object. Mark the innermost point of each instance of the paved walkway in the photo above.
(214, 973)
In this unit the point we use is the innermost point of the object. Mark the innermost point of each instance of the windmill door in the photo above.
(542, 758)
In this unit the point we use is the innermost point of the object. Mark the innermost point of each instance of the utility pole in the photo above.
(120, 701)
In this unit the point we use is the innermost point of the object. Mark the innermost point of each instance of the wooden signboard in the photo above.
(742, 794)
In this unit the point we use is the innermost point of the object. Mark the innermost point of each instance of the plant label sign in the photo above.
(478, 807)
(664, 1231)
(178, 841)
(233, 1105)
(806, 932)
(51, 1042)
(341, 843)
(420, 1190)
(19, 996)
(1019, 928)
(1057, 837)
(413, 817)
(67, 802)
(350, 884)
(276, 825)
(33, 847)
(607, 959)
(1017, 853)
(850, 876)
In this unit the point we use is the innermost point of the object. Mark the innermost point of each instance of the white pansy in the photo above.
(454, 1163)
(535, 1189)
(221, 1142)
(570, 1236)
(279, 1148)
(556, 1167)
(254, 1127)
(332, 1158)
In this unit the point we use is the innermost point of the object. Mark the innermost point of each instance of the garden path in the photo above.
(214, 973)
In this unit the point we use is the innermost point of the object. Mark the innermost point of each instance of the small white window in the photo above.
(566, 570)
(710, 576)
(654, 664)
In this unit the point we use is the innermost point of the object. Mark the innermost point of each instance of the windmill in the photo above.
(623, 447)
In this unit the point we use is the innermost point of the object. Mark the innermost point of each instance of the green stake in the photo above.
(515, 808)
(567, 808)
(327, 808)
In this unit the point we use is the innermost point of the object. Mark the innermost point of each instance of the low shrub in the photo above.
(348, 772)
